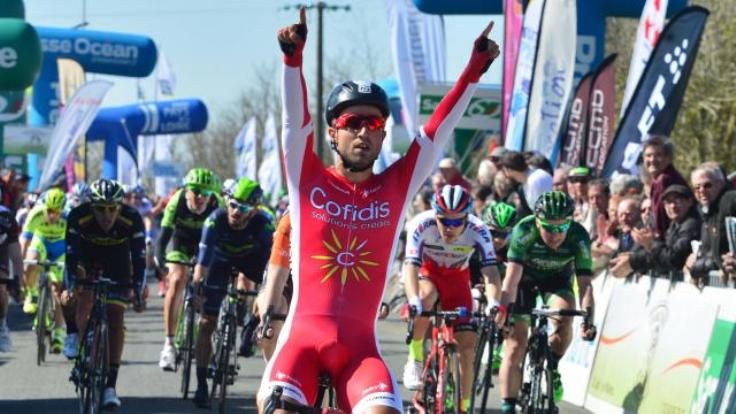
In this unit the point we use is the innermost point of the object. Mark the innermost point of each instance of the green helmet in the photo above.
(554, 205)
(500, 215)
(200, 179)
(246, 191)
(55, 199)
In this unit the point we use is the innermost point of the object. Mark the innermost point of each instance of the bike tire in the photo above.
(188, 350)
(229, 336)
(453, 374)
(429, 387)
(41, 328)
(98, 371)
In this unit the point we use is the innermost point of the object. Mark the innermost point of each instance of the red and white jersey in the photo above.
(344, 234)
(426, 248)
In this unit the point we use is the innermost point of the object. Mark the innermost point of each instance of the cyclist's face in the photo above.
(236, 217)
(197, 200)
(52, 216)
(553, 240)
(359, 146)
(500, 237)
(106, 215)
(451, 226)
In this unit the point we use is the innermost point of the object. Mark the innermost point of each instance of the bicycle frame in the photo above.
(46, 306)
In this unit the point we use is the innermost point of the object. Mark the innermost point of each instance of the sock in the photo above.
(509, 402)
(553, 361)
(71, 325)
(466, 404)
(202, 378)
(416, 349)
(112, 376)
(169, 341)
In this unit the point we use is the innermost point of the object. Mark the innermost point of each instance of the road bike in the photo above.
(185, 337)
(489, 336)
(276, 402)
(44, 321)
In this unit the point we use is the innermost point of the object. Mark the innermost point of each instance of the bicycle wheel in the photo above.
(97, 369)
(429, 387)
(41, 319)
(450, 397)
(482, 371)
(216, 358)
(224, 362)
(79, 376)
(187, 351)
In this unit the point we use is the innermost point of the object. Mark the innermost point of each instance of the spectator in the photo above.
(559, 179)
(503, 190)
(728, 266)
(597, 218)
(10, 197)
(532, 181)
(577, 186)
(716, 202)
(540, 161)
(628, 218)
(495, 158)
(452, 175)
(438, 181)
(668, 255)
(480, 197)
(647, 218)
(658, 152)
(626, 184)
(486, 172)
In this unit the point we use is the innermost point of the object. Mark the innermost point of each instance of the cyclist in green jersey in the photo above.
(43, 239)
(182, 226)
(545, 251)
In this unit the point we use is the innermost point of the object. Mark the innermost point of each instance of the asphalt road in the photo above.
(143, 388)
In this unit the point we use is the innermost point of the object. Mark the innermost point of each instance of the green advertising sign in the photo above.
(13, 9)
(20, 54)
(714, 393)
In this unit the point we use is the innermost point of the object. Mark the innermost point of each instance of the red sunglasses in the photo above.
(357, 122)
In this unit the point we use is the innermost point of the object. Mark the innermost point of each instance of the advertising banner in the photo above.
(651, 348)
(573, 143)
(516, 126)
(12, 8)
(72, 124)
(483, 112)
(650, 27)
(20, 139)
(658, 96)
(601, 113)
(513, 11)
(552, 80)
(418, 54)
(20, 54)
(577, 363)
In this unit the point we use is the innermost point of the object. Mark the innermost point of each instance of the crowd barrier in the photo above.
(663, 347)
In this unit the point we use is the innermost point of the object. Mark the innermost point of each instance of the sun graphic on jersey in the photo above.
(349, 260)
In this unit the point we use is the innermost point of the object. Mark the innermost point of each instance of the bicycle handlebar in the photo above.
(460, 312)
(102, 281)
(265, 331)
(559, 312)
(42, 263)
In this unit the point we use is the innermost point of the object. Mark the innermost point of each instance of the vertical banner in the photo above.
(269, 173)
(127, 169)
(418, 54)
(166, 173)
(650, 27)
(513, 11)
(146, 152)
(573, 143)
(662, 85)
(165, 77)
(73, 123)
(516, 124)
(71, 77)
(601, 114)
(245, 151)
(553, 76)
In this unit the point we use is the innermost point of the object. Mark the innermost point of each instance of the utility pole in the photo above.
(320, 6)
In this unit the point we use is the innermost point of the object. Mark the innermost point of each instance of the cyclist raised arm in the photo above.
(106, 238)
(546, 249)
(345, 226)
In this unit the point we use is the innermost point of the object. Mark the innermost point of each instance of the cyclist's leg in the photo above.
(85, 301)
(116, 336)
(207, 325)
(515, 345)
(5, 342)
(55, 253)
(561, 333)
(177, 279)
(35, 251)
(428, 294)
(366, 385)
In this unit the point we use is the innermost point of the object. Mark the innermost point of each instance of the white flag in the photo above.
(245, 151)
(166, 172)
(269, 173)
(418, 51)
(650, 26)
(553, 76)
(146, 152)
(165, 76)
(127, 171)
(72, 124)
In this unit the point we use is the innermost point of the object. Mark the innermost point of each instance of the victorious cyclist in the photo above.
(182, 226)
(345, 223)
(439, 244)
(545, 251)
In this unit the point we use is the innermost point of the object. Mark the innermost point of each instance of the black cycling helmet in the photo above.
(554, 205)
(106, 191)
(351, 93)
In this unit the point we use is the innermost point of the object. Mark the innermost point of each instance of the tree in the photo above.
(706, 125)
